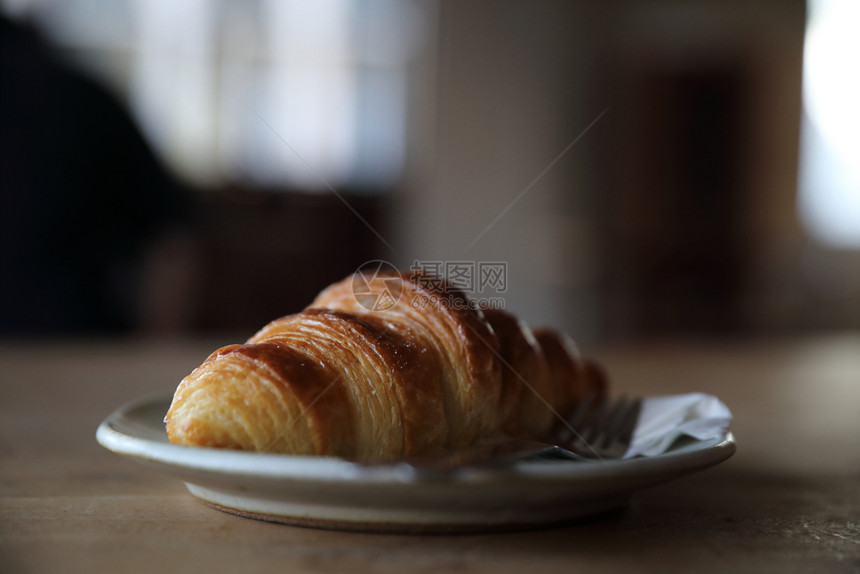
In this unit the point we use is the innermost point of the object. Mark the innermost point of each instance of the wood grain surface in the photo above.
(788, 501)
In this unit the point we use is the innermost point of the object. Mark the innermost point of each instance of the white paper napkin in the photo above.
(665, 418)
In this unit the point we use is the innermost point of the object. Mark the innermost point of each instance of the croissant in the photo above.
(422, 374)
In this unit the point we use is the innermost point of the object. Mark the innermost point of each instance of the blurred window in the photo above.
(219, 87)
(829, 198)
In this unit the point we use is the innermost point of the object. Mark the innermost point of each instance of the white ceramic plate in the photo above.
(334, 493)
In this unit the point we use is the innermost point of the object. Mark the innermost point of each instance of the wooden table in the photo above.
(788, 501)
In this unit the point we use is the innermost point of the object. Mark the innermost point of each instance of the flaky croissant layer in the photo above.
(381, 382)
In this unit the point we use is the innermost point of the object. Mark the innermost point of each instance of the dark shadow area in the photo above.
(98, 237)
(82, 196)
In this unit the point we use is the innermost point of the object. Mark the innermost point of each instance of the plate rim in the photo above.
(269, 466)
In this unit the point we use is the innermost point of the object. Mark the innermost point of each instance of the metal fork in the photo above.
(594, 432)
(601, 431)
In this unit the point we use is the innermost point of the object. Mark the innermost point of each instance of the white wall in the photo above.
(509, 97)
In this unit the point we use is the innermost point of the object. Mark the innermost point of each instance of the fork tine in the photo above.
(591, 426)
(581, 413)
(607, 432)
(617, 440)
(605, 429)
(628, 425)
(575, 421)
(593, 423)
(613, 422)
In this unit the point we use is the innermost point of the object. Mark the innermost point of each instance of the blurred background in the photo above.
(645, 168)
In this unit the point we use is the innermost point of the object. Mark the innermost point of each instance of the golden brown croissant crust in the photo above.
(426, 374)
